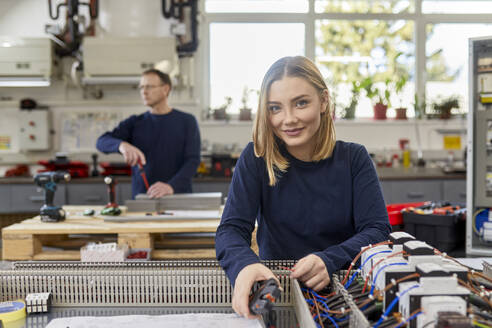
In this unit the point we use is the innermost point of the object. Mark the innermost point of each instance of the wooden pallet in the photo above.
(25, 240)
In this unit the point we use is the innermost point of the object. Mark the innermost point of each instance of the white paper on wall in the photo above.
(79, 131)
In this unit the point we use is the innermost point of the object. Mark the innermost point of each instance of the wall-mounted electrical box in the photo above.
(122, 60)
(34, 133)
(25, 61)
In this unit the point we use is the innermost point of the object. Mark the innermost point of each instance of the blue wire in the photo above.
(348, 283)
(388, 309)
(327, 316)
(315, 294)
(409, 319)
(321, 299)
(318, 297)
(379, 271)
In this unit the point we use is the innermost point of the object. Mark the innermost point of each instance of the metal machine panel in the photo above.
(26, 57)
(127, 57)
(34, 131)
(479, 147)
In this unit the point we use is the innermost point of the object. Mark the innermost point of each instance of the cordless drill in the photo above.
(48, 180)
(112, 207)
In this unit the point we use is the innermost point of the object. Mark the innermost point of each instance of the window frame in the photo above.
(309, 19)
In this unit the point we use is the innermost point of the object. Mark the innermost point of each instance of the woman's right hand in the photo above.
(244, 282)
(131, 154)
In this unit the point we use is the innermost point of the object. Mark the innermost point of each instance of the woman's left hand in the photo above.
(311, 270)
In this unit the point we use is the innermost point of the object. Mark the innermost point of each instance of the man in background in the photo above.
(166, 141)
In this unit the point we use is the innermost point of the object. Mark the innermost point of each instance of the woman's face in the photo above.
(294, 108)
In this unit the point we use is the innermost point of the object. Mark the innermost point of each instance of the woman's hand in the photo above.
(311, 270)
(244, 282)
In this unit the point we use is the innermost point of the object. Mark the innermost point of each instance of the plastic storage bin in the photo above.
(394, 211)
(444, 232)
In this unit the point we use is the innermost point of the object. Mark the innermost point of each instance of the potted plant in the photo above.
(245, 111)
(419, 107)
(220, 113)
(349, 111)
(379, 97)
(401, 112)
(443, 107)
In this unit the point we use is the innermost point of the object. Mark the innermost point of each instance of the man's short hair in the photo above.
(165, 79)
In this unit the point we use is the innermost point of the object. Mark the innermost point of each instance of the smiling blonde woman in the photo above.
(316, 200)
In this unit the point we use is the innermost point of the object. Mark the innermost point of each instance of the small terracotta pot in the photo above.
(401, 113)
(380, 111)
(245, 114)
(445, 114)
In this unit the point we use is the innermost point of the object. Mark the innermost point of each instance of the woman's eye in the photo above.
(273, 108)
(301, 103)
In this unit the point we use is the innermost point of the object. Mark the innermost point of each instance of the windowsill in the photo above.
(392, 121)
(226, 123)
(356, 121)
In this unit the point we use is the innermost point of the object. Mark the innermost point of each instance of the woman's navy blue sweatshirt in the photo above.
(329, 208)
(170, 143)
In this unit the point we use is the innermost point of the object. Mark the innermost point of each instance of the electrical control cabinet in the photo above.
(479, 152)
(25, 59)
(122, 60)
(34, 133)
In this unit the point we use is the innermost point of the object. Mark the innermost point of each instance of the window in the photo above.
(364, 6)
(350, 51)
(424, 42)
(456, 7)
(256, 6)
(240, 54)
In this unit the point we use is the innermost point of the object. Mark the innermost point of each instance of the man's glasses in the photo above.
(149, 87)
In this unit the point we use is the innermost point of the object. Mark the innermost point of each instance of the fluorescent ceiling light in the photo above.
(24, 82)
(111, 80)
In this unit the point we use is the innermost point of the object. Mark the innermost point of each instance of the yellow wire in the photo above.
(477, 324)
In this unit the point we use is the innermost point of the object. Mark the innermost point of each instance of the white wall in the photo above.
(143, 18)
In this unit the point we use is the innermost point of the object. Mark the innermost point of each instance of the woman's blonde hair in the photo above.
(265, 142)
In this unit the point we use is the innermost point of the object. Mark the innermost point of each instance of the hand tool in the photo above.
(112, 207)
(47, 180)
(94, 171)
(142, 174)
(263, 299)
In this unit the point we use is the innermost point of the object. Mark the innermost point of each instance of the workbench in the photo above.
(25, 240)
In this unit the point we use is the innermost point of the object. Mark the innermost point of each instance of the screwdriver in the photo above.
(142, 174)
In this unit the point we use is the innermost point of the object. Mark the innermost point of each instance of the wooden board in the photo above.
(25, 240)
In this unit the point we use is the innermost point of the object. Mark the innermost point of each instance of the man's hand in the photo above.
(311, 270)
(160, 189)
(244, 282)
(131, 154)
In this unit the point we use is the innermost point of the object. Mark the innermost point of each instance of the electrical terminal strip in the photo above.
(435, 284)
(412, 284)
(38, 302)
(107, 252)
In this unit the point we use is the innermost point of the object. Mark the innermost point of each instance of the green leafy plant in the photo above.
(443, 106)
(349, 111)
(378, 95)
(419, 106)
(399, 85)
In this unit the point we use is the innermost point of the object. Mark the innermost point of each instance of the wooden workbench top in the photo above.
(76, 222)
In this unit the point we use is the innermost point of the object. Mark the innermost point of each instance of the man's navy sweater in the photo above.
(170, 143)
(329, 208)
